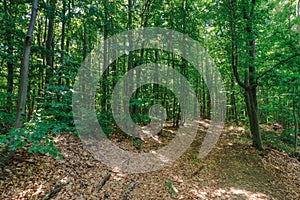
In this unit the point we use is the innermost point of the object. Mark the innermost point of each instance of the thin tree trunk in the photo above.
(49, 42)
(68, 38)
(144, 22)
(105, 59)
(62, 47)
(296, 123)
(24, 68)
(10, 67)
(131, 53)
(295, 118)
(298, 16)
(234, 61)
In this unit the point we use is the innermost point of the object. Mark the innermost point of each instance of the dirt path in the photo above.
(233, 170)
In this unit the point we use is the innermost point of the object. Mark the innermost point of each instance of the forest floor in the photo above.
(232, 170)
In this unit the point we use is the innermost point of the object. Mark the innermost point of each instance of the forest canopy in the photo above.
(254, 44)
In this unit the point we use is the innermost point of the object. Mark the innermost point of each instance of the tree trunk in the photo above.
(68, 25)
(131, 53)
(10, 67)
(144, 22)
(296, 123)
(105, 59)
(252, 111)
(233, 110)
(250, 80)
(250, 90)
(62, 48)
(298, 16)
(49, 42)
(24, 68)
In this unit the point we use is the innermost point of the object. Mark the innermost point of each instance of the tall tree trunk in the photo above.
(10, 66)
(298, 17)
(295, 88)
(105, 59)
(250, 79)
(234, 60)
(62, 48)
(252, 111)
(251, 93)
(49, 42)
(296, 123)
(144, 22)
(68, 24)
(131, 53)
(233, 110)
(24, 68)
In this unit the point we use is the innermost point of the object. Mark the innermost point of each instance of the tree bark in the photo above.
(49, 42)
(144, 22)
(10, 66)
(250, 90)
(105, 59)
(24, 69)
(250, 78)
(295, 88)
(296, 123)
(131, 53)
(62, 48)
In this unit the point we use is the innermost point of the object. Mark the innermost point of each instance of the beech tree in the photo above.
(25, 67)
(255, 45)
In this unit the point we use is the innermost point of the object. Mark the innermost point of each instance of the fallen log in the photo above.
(52, 193)
(128, 190)
(197, 171)
(102, 182)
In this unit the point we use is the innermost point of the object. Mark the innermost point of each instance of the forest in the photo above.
(149, 99)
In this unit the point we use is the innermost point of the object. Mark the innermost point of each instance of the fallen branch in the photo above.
(197, 171)
(52, 193)
(102, 182)
(128, 190)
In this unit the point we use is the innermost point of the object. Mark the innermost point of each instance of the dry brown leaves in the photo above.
(233, 170)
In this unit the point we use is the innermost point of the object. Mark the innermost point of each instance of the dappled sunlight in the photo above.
(229, 193)
(249, 195)
(231, 174)
(59, 138)
(23, 193)
(170, 131)
(236, 130)
(144, 99)
(39, 190)
(148, 134)
(33, 191)
(204, 124)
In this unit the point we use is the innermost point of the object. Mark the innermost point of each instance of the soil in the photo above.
(232, 170)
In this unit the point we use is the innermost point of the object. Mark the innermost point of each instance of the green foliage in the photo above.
(283, 142)
(49, 95)
(6, 119)
(136, 142)
(106, 123)
(38, 134)
(169, 185)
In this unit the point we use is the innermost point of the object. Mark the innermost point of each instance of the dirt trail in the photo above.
(233, 170)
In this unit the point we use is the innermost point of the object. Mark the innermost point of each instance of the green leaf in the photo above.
(168, 184)
(171, 191)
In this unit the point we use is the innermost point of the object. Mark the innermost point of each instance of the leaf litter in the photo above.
(232, 170)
